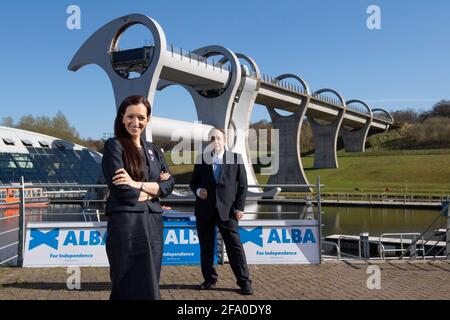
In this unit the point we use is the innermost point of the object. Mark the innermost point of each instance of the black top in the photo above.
(123, 197)
(144, 158)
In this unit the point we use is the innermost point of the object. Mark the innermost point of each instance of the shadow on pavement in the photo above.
(194, 287)
(88, 286)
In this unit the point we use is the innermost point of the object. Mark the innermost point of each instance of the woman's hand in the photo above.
(123, 178)
(164, 176)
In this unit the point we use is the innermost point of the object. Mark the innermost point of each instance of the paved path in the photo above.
(331, 280)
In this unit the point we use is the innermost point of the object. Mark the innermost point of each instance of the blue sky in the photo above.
(405, 64)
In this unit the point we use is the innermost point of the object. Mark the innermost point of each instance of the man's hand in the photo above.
(202, 193)
(239, 214)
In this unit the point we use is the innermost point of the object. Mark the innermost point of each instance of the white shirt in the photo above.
(218, 158)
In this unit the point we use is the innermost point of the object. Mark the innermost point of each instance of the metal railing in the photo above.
(194, 58)
(414, 235)
(338, 248)
(382, 116)
(268, 79)
(353, 239)
(23, 215)
(444, 213)
(384, 197)
(327, 99)
(20, 229)
(358, 109)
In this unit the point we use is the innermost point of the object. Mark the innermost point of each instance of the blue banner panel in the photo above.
(181, 244)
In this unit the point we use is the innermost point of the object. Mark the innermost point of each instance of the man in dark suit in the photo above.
(219, 182)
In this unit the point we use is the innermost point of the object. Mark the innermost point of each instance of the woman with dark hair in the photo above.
(137, 175)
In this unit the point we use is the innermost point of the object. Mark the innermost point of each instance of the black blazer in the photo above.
(123, 197)
(228, 194)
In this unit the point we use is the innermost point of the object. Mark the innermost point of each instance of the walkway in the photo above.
(331, 280)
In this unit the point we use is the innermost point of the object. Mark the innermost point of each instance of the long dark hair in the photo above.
(133, 161)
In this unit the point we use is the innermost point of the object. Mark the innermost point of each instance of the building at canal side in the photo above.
(44, 159)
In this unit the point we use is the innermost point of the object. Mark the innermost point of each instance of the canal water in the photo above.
(336, 220)
(348, 220)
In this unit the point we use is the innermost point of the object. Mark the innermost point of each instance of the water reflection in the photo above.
(340, 220)
(347, 220)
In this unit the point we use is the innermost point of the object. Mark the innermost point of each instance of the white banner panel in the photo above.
(65, 244)
(280, 241)
(83, 243)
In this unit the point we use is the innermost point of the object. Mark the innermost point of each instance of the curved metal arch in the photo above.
(299, 79)
(96, 48)
(360, 102)
(340, 97)
(252, 63)
(220, 62)
(385, 112)
(232, 85)
(273, 113)
(228, 56)
(163, 84)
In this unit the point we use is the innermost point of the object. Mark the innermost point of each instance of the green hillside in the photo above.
(417, 171)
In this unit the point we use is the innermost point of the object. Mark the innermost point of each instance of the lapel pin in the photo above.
(152, 157)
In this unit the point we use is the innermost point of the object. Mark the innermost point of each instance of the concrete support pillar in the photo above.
(355, 140)
(290, 165)
(241, 116)
(326, 135)
(290, 127)
(325, 142)
(231, 110)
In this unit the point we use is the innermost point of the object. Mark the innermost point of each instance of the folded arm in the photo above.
(150, 190)
(111, 162)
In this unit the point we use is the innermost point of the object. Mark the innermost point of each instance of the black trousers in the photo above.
(229, 230)
(134, 248)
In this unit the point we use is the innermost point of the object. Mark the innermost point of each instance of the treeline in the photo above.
(57, 126)
(418, 130)
(412, 130)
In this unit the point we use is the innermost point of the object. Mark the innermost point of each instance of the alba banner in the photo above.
(65, 244)
(83, 244)
(280, 241)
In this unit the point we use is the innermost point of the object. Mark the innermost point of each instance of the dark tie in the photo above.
(217, 169)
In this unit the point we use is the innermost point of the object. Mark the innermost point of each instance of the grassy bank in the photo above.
(417, 171)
